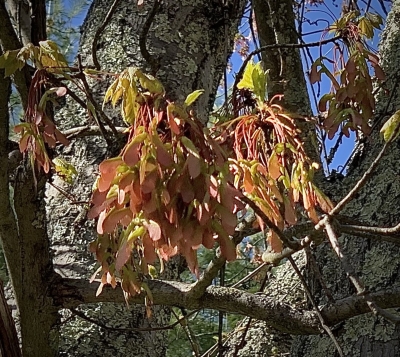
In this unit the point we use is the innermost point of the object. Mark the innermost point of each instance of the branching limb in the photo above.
(153, 62)
(83, 316)
(352, 275)
(70, 293)
(89, 130)
(9, 41)
(99, 31)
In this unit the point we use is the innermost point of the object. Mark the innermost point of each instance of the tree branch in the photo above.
(9, 41)
(89, 130)
(99, 31)
(70, 293)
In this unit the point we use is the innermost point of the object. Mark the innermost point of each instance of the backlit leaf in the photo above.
(391, 129)
(191, 98)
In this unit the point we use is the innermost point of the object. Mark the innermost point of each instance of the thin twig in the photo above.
(89, 130)
(276, 45)
(315, 306)
(189, 334)
(132, 329)
(99, 31)
(351, 273)
(200, 286)
(359, 184)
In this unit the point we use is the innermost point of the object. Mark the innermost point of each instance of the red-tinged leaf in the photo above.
(171, 215)
(49, 140)
(191, 259)
(197, 238)
(153, 229)
(149, 182)
(312, 213)
(149, 252)
(126, 180)
(123, 254)
(228, 219)
(248, 182)
(131, 153)
(46, 166)
(228, 249)
(61, 91)
(274, 242)
(194, 166)
(150, 205)
(259, 223)
(188, 230)
(290, 213)
(104, 182)
(113, 218)
(165, 197)
(350, 65)
(203, 215)
(167, 251)
(102, 217)
(20, 128)
(23, 143)
(187, 191)
(230, 198)
(379, 73)
(200, 187)
(61, 138)
(213, 186)
(126, 220)
(315, 75)
(175, 235)
(275, 191)
(208, 239)
(173, 125)
(110, 165)
(324, 101)
(323, 201)
(96, 209)
(163, 156)
(274, 166)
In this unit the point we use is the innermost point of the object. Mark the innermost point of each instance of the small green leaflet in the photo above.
(191, 98)
(390, 129)
(254, 79)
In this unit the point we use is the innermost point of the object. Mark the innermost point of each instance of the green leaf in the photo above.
(259, 78)
(150, 83)
(247, 80)
(390, 129)
(65, 170)
(190, 147)
(375, 19)
(191, 98)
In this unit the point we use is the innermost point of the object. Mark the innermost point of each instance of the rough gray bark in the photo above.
(275, 23)
(376, 263)
(377, 204)
(187, 38)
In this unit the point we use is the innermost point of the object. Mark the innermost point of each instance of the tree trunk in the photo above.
(377, 264)
(187, 40)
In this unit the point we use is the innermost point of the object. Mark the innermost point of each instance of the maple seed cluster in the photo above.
(168, 192)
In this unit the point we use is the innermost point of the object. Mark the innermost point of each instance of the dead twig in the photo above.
(315, 306)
